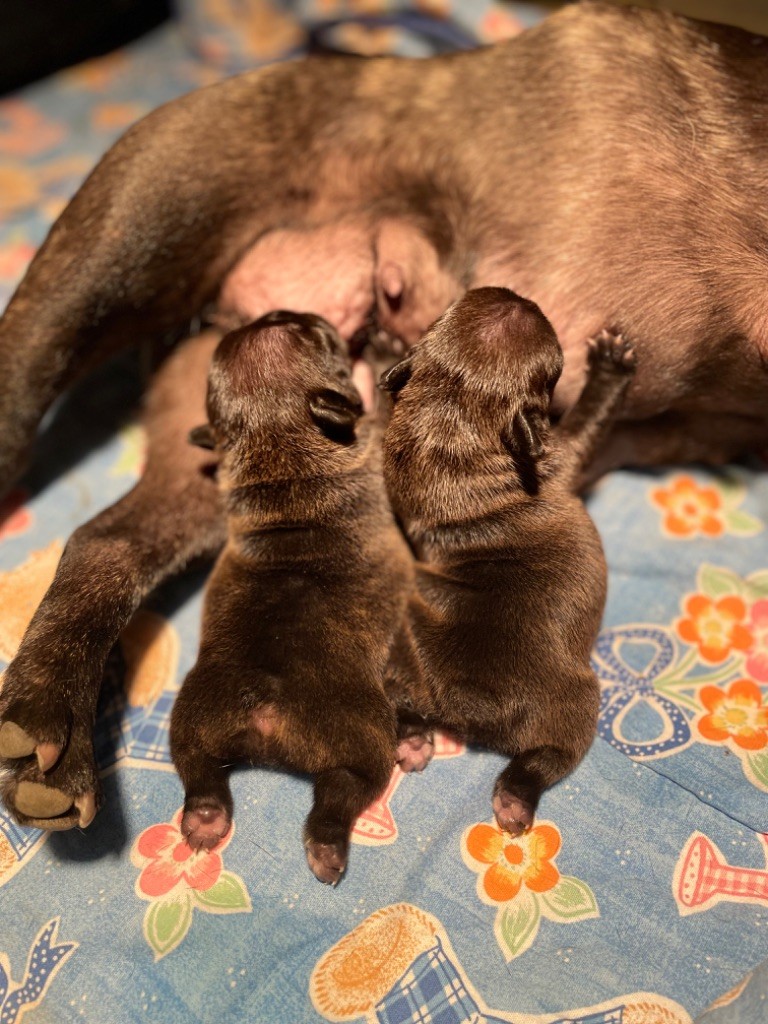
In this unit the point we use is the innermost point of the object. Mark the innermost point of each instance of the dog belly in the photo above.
(326, 270)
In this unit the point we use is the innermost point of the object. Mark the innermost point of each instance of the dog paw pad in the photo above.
(415, 752)
(205, 827)
(37, 800)
(513, 814)
(327, 861)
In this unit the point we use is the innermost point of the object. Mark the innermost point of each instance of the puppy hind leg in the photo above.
(415, 740)
(518, 789)
(208, 804)
(341, 795)
(408, 696)
(48, 701)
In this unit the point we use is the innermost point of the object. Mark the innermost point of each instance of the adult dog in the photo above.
(609, 164)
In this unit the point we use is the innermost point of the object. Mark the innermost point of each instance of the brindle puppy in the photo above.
(511, 586)
(305, 598)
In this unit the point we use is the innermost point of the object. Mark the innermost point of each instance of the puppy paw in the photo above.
(611, 351)
(327, 861)
(49, 778)
(415, 752)
(205, 824)
(513, 814)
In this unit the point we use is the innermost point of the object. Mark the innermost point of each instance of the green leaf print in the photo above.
(228, 896)
(166, 923)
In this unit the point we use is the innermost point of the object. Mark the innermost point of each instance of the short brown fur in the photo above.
(511, 581)
(306, 596)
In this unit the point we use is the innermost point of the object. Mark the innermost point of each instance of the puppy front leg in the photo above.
(610, 366)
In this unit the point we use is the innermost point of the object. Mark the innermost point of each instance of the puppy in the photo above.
(511, 584)
(306, 596)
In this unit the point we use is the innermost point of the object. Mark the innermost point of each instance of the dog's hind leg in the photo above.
(172, 516)
(204, 732)
(551, 740)
(341, 795)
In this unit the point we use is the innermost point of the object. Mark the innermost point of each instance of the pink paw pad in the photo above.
(415, 752)
(205, 827)
(513, 815)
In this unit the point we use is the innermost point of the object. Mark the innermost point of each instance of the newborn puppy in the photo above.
(511, 584)
(306, 596)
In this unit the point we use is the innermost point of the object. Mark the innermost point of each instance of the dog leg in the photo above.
(518, 789)
(172, 516)
(405, 691)
(545, 745)
(676, 438)
(341, 795)
(611, 364)
(415, 741)
(149, 238)
(201, 731)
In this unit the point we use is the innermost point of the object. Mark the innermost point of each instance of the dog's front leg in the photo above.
(611, 364)
(48, 701)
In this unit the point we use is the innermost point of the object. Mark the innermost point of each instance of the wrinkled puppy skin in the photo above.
(511, 582)
(304, 600)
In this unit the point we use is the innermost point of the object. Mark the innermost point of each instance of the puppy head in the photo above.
(282, 387)
(472, 400)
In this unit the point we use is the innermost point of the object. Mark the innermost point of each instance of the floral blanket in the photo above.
(641, 895)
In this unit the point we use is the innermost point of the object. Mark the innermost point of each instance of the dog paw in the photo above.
(415, 752)
(610, 350)
(49, 778)
(205, 825)
(327, 861)
(513, 814)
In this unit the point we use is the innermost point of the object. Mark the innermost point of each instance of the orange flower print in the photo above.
(15, 518)
(757, 658)
(737, 714)
(690, 509)
(168, 863)
(498, 25)
(715, 626)
(14, 258)
(514, 862)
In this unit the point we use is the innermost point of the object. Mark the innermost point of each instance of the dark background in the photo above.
(38, 37)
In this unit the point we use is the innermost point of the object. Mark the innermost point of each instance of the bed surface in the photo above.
(641, 895)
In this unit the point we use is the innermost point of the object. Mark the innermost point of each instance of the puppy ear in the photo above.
(202, 436)
(336, 412)
(525, 438)
(395, 379)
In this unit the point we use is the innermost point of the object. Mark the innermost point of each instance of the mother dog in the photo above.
(610, 164)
